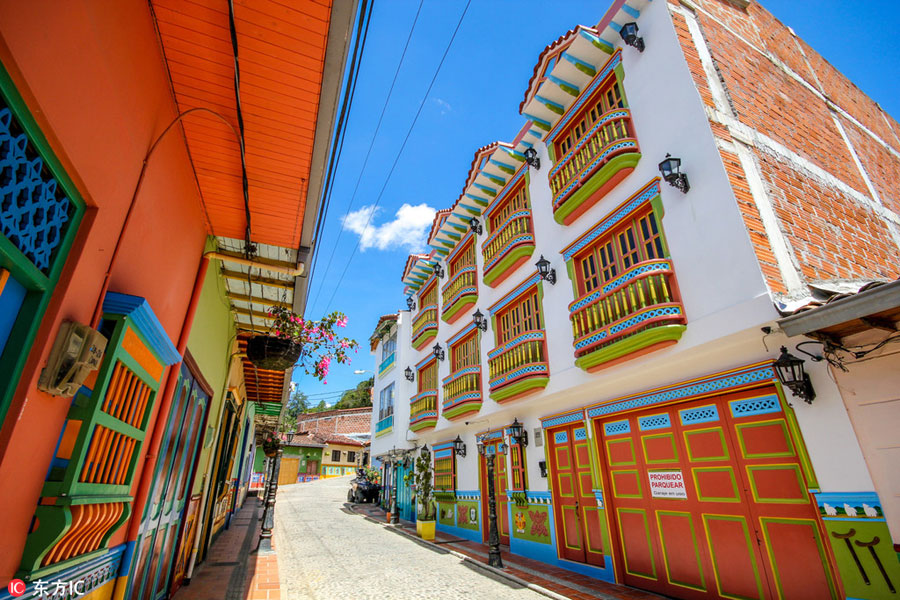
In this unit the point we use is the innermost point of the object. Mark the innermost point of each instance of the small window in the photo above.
(388, 347)
(335, 456)
(351, 456)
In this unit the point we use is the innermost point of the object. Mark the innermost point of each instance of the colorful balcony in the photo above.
(507, 248)
(602, 158)
(519, 367)
(423, 411)
(462, 393)
(425, 326)
(458, 293)
(384, 426)
(387, 364)
(632, 315)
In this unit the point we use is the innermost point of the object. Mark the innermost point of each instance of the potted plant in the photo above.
(271, 445)
(294, 340)
(427, 509)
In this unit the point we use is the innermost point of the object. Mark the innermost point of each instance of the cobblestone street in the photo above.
(326, 552)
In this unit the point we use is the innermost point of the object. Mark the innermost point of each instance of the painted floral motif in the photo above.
(520, 522)
(538, 523)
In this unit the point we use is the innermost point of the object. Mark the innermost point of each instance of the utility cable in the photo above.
(371, 145)
(400, 152)
(240, 119)
(337, 145)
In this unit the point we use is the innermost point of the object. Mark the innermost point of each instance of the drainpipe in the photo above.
(143, 489)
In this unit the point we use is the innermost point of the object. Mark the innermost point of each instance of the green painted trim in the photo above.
(619, 70)
(598, 180)
(462, 409)
(717, 567)
(427, 337)
(603, 47)
(670, 436)
(643, 514)
(765, 521)
(630, 344)
(507, 261)
(423, 425)
(459, 304)
(540, 125)
(585, 69)
(809, 473)
(38, 285)
(726, 469)
(518, 387)
(784, 430)
(384, 432)
(552, 108)
(804, 497)
(665, 551)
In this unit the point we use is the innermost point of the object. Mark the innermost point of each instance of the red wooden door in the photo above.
(500, 487)
(707, 500)
(579, 535)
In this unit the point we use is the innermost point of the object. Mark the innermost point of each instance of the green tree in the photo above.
(297, 404)
(361, 396)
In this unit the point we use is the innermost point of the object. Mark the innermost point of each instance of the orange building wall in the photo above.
(93, 76)
(776, 85)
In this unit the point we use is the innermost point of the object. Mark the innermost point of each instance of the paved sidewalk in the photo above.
(546, 579)
(233, 570)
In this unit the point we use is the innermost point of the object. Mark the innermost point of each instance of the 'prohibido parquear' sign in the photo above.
(667, 484)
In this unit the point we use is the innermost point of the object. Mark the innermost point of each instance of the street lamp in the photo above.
(410, 303)
(439, 270)
(409, 374)
(479, 320)
(494, 559)
(532, 159)
(671, 172)
(395, 518)
(517, 432)
(544, 270)
(475, 225)
(459, 446)
(438, 352)
(790, 372)
(629, 33)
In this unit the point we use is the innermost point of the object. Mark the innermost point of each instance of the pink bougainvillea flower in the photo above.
(342, 322)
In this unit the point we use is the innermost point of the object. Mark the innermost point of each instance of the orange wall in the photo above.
(93, 75)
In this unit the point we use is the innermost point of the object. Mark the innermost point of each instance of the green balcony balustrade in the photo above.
(601, 158)
(462, 392)
(386, 364)
(423, 413)
(507, 247)
(425, 326)
(638, 311)
(519, 366)
(458, 293)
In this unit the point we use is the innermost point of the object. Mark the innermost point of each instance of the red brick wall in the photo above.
(336, 422)
(778, 86)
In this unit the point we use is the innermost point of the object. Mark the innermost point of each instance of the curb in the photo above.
(493, 570)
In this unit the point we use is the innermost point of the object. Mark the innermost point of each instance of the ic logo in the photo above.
(16, 588)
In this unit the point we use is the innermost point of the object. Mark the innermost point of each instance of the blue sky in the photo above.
(474, 102)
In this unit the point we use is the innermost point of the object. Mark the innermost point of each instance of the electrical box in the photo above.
(543, 467)
(77, 351)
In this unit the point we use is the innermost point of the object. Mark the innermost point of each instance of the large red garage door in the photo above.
(707, 499)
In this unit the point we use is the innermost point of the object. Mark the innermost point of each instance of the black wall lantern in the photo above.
(479, 320)
(671, 172)
(518, 433)
(410, 303)
(629, 33)
(409, 374)
(476, 227)
(532, 159)
(482, 448)
(459, 446)
(790, 372)
(438, 352)
(544, 270)
(438, 270)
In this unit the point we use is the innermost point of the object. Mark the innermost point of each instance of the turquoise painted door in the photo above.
(405, 494)
(156, 545)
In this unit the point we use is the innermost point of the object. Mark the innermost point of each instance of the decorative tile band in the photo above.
(616, 113)
(648, 192)
(466, 291)
(468, 397)
(469, 495)
(461, 334)
(617, 427)
(717, 383)
(646, 315)
(431, 414)
(611, 64)
(525, 237)
(509, 219)
(565, 419)
(515, 293)
(457, 374)
(762, 405)
(537, 369)
(843, 506)
(561, 197)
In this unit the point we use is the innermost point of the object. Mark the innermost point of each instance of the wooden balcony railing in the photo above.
(462, 392)
(459, 292)
(519, 366)
(603, 156)
(425, 326)
(507, 247)
(423, 410)
(637, 311)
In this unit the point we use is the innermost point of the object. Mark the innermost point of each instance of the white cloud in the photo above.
(409, 229)
(443, 105)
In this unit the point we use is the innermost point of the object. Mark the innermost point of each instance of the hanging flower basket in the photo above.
(273, 353)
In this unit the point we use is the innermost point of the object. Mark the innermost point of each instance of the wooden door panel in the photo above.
(795, 548)
(637, 546)
(288, 471)
(683, 564)
(733, 556)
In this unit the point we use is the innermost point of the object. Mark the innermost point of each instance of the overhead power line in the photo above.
(371, 145)
(399, 152)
